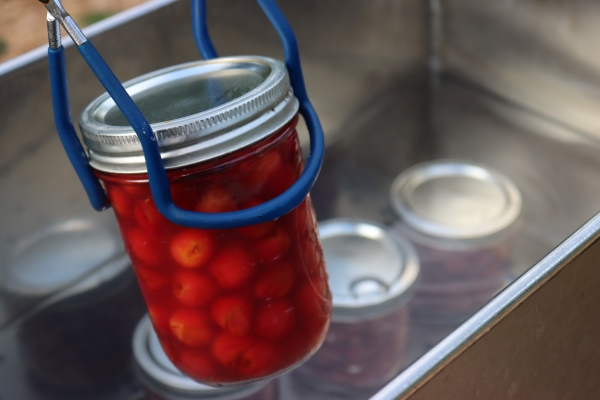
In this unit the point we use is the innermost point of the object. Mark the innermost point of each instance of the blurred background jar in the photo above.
(372, 276)
(79, 301)
(461, 218)
(163, 381)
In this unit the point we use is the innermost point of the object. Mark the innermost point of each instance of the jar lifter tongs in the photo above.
(157, 175)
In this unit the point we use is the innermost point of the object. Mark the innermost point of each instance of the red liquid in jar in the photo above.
(233, 305)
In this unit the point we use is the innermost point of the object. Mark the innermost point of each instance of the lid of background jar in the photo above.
(53, 258)
(198, 111)
(455, 200)
(162, 376)
(371, 272)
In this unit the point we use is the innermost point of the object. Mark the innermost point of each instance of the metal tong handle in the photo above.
(157, 175)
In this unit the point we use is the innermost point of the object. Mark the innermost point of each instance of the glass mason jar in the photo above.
(462, 218)
(229, 305)
(373, 276)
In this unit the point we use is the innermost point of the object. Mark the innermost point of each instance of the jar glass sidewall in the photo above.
(236, 305)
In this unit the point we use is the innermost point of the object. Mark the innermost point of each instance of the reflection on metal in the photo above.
(538, 339)
(529, 110)
(536, 53)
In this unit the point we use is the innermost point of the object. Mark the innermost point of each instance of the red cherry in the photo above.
(304, 217)
(274, 281)
(191, 327)
(259, 359)
(273, 246)
(267, 167)
(314, 299)
(183, 195)
(234, 314)
(159, 315)
(138, 189)
(194, 288)
(120, 202)
(150, 280)
(257, 230)
(216, 200)
(168, 348)
(232, 266)
(228, 348)
(311, 256)
(276, 320)
(143, 246)
(192, 248)
(197, 363)
(147, 215)
(285, 178)
(245, 166)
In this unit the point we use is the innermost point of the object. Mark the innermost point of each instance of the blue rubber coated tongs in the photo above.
(159, 183)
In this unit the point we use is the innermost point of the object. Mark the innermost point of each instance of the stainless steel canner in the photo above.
(511, 85)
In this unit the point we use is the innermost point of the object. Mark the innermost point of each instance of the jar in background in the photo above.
(78, 300)
(230, 305)
(163, 381)
(373, 275)
(461, 218)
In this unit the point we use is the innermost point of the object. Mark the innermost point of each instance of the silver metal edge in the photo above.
(263, 97)
(256, 130)
(406, 286)
(436, 230)
(41, 52)
(144, 359)
(180, 383)
(420, 372)
(272, 102)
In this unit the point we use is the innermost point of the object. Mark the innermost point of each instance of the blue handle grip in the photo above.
(159, 183)
(66, 131)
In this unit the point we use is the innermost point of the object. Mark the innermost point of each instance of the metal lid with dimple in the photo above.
(154, 363)
(198, 111)
(455, 200)
(371, 272)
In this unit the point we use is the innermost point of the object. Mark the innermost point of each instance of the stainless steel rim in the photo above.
(405, 183)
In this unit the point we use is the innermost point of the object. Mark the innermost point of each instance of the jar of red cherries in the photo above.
(230, 305)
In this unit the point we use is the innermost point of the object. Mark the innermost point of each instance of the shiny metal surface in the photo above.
(154, 364)
(507, 84)
(54, 38)
(54, 258)
(523, 342)
(55, 8)
(539, 54)
(198, 111)
(370, 271)
(453, 199)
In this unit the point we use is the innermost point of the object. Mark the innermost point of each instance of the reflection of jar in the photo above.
(77, 297)
(230, 305)
(80, 340)
(461, 218)
(163, 381)
(51, 259)
(372, 276)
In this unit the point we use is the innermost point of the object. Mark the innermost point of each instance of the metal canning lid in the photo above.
(154, 363)
(371, 272)
(59, 255)
(198, 111)
(455, 200)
